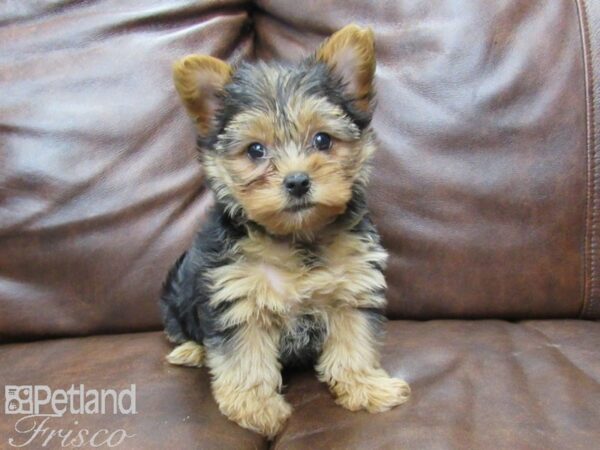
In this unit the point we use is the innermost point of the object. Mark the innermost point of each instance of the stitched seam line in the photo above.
(590, 290)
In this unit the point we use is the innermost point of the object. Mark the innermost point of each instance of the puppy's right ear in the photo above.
(199, 79)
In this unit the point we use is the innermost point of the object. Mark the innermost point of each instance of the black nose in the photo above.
(297, 183)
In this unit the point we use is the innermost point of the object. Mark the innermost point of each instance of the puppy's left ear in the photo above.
(350, 55)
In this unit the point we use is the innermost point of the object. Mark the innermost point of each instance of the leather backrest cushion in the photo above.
(479, 188)
(100, 189)
(480, 184)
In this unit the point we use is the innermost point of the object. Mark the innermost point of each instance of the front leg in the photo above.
(247, 379)
(349, 363)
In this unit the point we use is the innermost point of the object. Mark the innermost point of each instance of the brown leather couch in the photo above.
(486, 191)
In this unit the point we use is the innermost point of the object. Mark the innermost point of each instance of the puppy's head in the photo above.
(285, 146)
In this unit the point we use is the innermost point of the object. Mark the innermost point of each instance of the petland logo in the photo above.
(40, 405)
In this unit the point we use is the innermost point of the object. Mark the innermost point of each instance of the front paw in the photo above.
(374, 391)
(263, 415)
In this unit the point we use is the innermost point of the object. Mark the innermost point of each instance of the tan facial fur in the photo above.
(258, 185)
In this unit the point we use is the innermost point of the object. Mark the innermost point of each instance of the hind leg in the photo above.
(190, 354)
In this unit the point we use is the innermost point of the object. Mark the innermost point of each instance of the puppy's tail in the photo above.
(190, 354)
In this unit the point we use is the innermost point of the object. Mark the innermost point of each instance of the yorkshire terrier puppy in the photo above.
(288, 269)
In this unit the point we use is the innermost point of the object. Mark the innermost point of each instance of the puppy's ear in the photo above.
(199, 79)
(350, 54)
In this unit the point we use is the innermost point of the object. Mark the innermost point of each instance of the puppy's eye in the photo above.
(322, 141)
(256, 151)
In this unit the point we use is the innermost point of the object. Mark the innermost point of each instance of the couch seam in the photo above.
(591, 213)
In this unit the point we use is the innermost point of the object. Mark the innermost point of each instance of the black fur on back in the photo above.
(186, 312)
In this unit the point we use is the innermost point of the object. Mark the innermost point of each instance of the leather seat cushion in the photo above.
(476, 385)
(175, 408)
(484, 384)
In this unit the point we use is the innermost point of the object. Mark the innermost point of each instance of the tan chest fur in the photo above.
(269, 280)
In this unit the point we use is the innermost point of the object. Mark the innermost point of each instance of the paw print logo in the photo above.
(18, 399)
